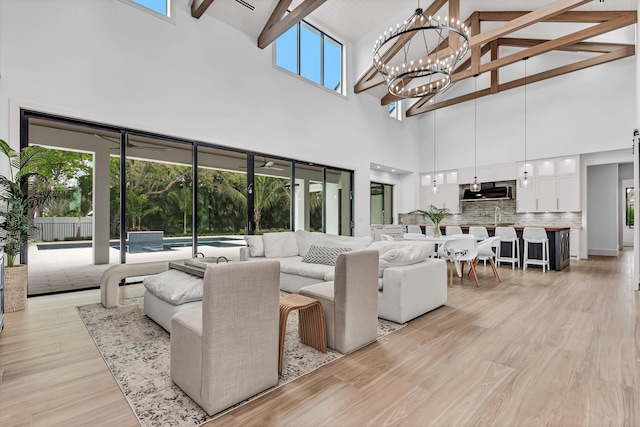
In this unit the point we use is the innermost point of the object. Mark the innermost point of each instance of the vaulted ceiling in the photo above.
(504, 32)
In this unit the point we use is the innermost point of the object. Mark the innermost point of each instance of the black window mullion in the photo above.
(324, 199)
(299, 46)
(194, 200)
(123, 197)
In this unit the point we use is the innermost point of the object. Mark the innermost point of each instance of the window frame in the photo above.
(323, 35)
(169, 17)
(397, 115)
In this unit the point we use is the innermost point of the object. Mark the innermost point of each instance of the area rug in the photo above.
(136, 351)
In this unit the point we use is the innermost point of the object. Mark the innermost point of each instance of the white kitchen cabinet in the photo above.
(569, 193)
(465, 176)
(526, 197)
(447, 196)
(506, 172)
(568, 165)
(547, 194)
(520, 169)
(546, 167)
(451, 177)
(487, 174)
(574, 243)
(427, 198)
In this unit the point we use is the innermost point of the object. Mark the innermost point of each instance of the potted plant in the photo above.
(20, 193)
(436, 215)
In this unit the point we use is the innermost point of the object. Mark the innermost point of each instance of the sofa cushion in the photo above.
(406, 255)
(280, 245)
(298, 268)
(305, 239)
(355, 243)
(324, 255)
(174, 286)
(256, 246)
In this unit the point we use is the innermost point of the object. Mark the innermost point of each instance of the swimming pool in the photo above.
(168, 244)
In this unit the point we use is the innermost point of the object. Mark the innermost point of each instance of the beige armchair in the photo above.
(350, 302)
(227, 350)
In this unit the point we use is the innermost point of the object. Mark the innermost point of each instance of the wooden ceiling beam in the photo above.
(587, 17)
(575, 47)
(622, 21)
(526, 20)
(569, 39)
(620, 53)
(366, 81)
(199, 7)
(495, 76)
(277, 26)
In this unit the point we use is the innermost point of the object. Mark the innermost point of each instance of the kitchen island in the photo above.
(559, 249)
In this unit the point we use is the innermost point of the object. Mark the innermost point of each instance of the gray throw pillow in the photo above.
(323, 255)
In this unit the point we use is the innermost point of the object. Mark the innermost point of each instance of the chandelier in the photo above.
(429, 49)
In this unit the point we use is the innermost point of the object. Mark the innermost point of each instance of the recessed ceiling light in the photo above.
(393, 170)
(378, 166)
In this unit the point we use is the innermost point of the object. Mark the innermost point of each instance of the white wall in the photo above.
(200, 79)
(603, 210)
(586, 111)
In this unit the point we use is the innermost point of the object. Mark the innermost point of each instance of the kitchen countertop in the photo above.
(517, 227)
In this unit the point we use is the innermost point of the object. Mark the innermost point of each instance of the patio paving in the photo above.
(63, 270)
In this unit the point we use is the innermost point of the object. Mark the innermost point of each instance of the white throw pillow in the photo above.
(406, 255)
(305, 239)
(174, 286)
(355, 243)
(324, 255)
(280, 245)
(256, 247)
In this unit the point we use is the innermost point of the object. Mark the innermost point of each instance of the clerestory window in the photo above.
(160, 8)
(311, 54)
(395, 112)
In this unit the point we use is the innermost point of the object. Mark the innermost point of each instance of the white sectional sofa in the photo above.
(410, 283)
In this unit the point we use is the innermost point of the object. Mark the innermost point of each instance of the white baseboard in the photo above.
(604, 252)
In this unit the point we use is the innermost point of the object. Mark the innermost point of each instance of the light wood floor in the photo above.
(539, 349)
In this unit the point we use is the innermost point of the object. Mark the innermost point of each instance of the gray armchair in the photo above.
(350, 302)
(227, 350)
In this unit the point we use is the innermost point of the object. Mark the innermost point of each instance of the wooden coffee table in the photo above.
(311, 325)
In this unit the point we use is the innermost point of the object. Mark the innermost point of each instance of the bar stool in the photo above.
(451, 230)
(508, 235)
(536, 235)
(480, 233)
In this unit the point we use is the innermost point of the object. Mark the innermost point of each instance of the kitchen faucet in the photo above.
(496, 216)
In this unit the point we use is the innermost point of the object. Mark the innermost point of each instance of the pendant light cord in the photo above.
(475, 127)
(525, 113)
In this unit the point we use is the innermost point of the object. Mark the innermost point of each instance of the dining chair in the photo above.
(459, 252)
(487, 251)
(452, 229)
(429, 230)
(479, 232)
(414, 229)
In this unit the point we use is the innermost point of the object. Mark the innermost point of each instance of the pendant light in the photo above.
(475, 187)
(525, 180)
(435, 187)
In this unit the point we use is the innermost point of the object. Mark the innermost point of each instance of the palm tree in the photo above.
(20, 194)
(139, 207)
(268, 192)
(181, 197)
